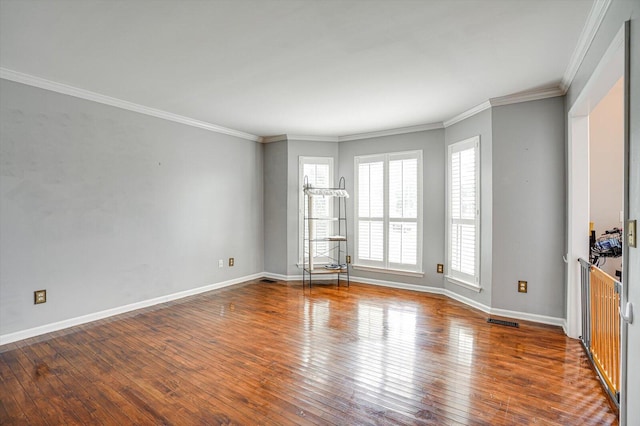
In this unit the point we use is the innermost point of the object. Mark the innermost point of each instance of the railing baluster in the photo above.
(601, 324)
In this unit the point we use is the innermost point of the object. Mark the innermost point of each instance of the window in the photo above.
(463, 213)
(388, 211)
(319, 173)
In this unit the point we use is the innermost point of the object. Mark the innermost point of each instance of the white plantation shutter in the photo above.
(403, 239)
(403, 205)
(463, 211)
(389, 205)
(371, 241)
(319, 174)
(371, 211)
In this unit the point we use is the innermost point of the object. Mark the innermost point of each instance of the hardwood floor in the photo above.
(267, 353)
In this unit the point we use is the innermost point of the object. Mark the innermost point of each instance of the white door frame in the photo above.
(578, 214)
(610, 69)
(606, 74)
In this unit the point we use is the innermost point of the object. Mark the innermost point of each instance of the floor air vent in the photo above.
(268, 280)
(502, 322)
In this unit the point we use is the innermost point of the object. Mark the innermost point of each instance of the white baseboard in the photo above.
(278, 277)
(402, 286)
(524, 316)
(48, 328)
(469, 302)
(281, 277)
(71, 322)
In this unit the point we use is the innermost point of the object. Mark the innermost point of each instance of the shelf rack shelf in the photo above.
(337, 251)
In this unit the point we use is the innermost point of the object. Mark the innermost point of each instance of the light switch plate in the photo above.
(631, 233)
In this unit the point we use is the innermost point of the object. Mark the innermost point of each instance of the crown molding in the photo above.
(468, 113)
(314, 138)
(276, 138)
(369, 135)
(594, 20)
(42, 83)
(53, 86)
(391, 132)
(526, 96)
(529, 95)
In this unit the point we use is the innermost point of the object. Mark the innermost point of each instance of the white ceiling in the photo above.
(303, 67)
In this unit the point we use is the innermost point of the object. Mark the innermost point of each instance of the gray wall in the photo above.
(104, 207)
(433, 154)
(282, 190)
(529, 206)
(479, 124)
(275, 207)
(620, 11)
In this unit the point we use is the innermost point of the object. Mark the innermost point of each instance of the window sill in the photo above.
(388, 271)
(464, 284)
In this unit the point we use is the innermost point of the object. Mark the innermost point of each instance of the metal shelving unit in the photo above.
(337, 251)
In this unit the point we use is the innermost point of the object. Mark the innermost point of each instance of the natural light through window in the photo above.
(463, 212)
(389, 211)
(319, 174)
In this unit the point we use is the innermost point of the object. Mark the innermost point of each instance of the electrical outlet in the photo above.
(39, 296)
(232, 261)
(220, 263)
(522, 286)
(440, 268)
(348, 259)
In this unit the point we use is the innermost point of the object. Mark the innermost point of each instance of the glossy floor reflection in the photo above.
(269, 353)
(432, 359)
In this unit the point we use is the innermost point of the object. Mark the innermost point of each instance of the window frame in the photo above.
(457, 277)
(302, 161)
(385, 265)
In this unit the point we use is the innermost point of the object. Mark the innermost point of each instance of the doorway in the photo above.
(606, 181)
(598, 129)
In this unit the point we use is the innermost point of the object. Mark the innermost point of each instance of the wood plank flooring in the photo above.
(269, 353)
